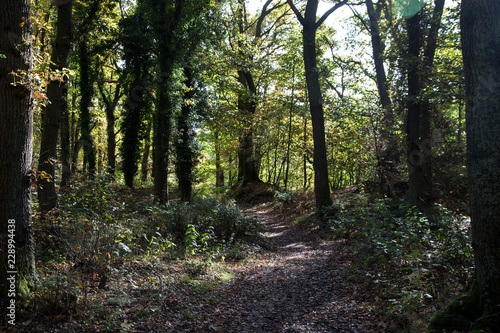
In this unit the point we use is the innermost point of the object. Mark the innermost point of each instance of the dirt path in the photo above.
(298, 286)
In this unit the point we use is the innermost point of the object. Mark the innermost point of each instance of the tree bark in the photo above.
(219, 172)
(320, 163)
(248, 170)
(419, 117)
(481, 53)
(147, 148)
(478, 311)
(110, 105)
(183, 145)
(167, 54)
(417, 183)
(16, 133)
(65, 141)
(87, 90)
(51, 114)
(290, 118)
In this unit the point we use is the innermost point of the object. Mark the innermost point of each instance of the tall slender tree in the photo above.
(51, 114)
(89, 12)
(389, 156)
(421, 51)
(310, 25)
(16, 134)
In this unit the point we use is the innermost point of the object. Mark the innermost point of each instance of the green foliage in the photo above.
(283, 197)
(206, 222)
(424, 255)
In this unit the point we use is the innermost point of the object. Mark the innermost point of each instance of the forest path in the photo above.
(300, 285)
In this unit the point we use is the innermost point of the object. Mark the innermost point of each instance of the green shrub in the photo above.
(205, 223)
(425, 255)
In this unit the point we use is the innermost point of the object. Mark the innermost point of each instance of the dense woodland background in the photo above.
(210, 94)
(150, 114)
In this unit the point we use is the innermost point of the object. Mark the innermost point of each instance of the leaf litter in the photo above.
(301, 284)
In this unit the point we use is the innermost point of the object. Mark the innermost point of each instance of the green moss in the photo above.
(464, 314)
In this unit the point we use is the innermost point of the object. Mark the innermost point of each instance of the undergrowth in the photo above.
(418, 261)
(105, 239)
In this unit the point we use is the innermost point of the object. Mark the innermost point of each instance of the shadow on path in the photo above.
(298, 286)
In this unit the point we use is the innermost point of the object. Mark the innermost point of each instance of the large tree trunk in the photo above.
(65, 141)
(419, 117)
(51, 116)
(161, 142)
(17, 267)
(248, 169)
(481, 51)
(134, 107)
(478, 311)
(163, 117)
(320, 162)
(426, 107)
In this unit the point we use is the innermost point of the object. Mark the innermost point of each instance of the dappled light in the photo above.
(249, 166)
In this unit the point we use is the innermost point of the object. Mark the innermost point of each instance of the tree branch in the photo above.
(296, 11)
(358, 16)
(260, 20)
(328, 12)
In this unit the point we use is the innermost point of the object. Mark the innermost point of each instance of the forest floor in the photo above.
(298, 278)
(300, 283)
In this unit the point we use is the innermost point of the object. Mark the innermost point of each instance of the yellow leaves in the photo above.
(40, 95)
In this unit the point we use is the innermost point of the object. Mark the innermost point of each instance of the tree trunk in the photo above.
(290, 118)
(145, 156)
(426, 107)
(219, 173)
(163, 117)
(478, 311)
(17, 266)
(110, 105)
(65, 141)
(418, 184)
(161, 141)
(388, 156)
(320, 163)
(183, 145)
(51, 115)
(75, 139)
(248, 170)
(419, 107)
(134, 107)
(304, 155)
(481, 52)
(87, 90)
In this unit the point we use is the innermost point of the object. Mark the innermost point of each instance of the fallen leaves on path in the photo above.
(299, 286)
